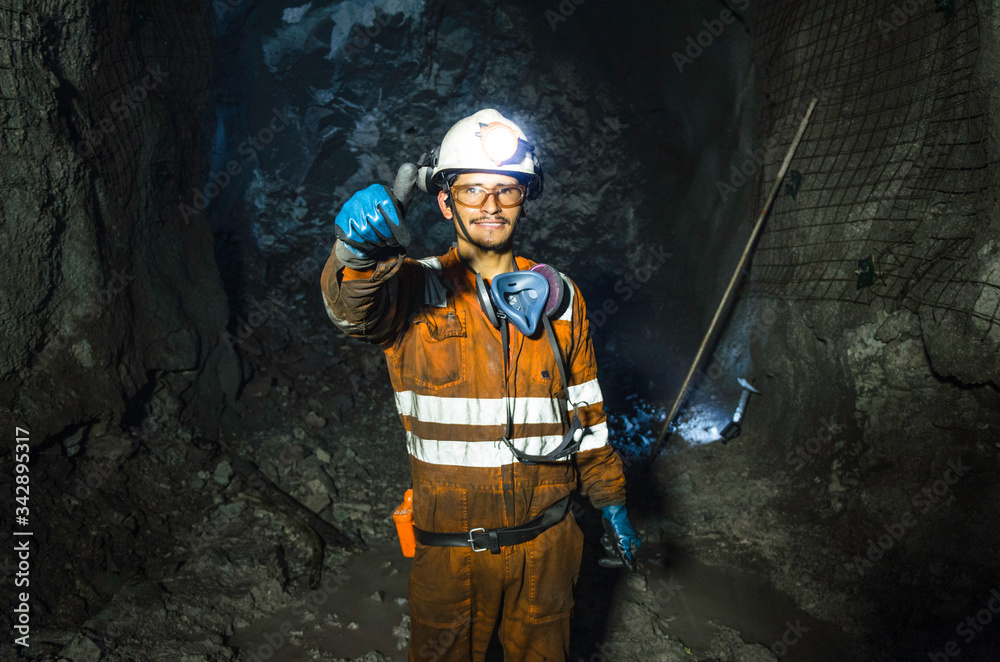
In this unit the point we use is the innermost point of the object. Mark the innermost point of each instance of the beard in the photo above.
(491, 243)
(495, 244)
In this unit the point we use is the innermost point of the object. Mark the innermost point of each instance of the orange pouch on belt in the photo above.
(403, 517)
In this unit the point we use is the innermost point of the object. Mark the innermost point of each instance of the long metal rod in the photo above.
(736, 275)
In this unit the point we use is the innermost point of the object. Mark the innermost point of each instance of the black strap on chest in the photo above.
(574, 436)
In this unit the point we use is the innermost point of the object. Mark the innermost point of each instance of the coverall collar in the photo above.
(465, 280)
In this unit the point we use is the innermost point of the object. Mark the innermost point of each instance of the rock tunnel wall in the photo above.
(881, 248)
(894, 176)
(112, 305)
(871, 311)
(106, 287)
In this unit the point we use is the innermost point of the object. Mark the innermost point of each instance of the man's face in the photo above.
(490, 228)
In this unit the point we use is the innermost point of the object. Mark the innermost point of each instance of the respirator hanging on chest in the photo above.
(525, 298)
(522, 297)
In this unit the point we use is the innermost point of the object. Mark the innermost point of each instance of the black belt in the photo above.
(481, 539)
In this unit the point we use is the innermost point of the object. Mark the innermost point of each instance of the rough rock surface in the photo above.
(108, 286)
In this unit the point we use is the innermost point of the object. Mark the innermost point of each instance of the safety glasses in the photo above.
(507, 195)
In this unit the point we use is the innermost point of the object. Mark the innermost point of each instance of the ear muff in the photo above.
(558, 299)
(535, 184)
(483, 294)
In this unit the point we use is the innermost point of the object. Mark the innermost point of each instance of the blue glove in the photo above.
(371, 220)
(621, 542)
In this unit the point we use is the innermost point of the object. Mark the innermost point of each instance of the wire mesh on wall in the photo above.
(888, 192)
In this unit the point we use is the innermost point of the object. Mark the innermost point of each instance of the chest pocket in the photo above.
(544, 369)
(438, 349)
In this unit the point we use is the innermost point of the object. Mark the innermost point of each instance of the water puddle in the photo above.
(696, 598)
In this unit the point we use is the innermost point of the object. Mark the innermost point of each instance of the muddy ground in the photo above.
(191, 562)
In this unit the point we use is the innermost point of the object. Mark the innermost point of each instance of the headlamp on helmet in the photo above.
(499, 141)
(484, 142)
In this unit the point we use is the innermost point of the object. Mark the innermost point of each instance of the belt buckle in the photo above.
(472, 542)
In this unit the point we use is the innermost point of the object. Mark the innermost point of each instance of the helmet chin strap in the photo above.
(454, 212)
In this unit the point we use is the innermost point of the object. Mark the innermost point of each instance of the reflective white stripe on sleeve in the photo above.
(343, 325)
(586, 393)
(491, 411)
(594, 437)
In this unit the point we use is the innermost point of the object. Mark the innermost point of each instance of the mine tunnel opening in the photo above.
(631, 210)
(625, 134)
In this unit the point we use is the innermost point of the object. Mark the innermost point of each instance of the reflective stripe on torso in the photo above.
(447, 370)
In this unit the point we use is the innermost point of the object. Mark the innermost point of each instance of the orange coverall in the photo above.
(445, 363)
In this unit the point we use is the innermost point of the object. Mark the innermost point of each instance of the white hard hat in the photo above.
(485, 142)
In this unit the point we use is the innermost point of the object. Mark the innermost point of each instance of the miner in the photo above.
(495, 381)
